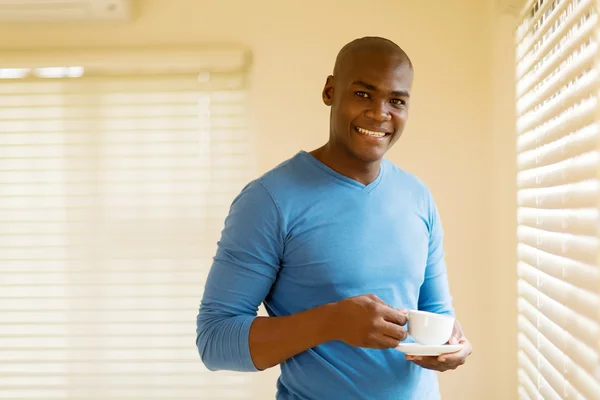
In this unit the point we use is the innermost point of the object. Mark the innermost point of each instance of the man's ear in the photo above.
(328, 91)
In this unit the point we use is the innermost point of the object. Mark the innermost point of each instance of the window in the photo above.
(558, 147)
(116, 173)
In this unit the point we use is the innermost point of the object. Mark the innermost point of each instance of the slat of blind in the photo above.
(102, 278)
(73, 138)
(555, 380)
(123, 380)
(528, 389)
(42, 291)
(576, 46)
(574, 382)
(580, 248)
(531, 17)
(531, 30)
(579, 357)
(580, 301)
(582, 275)
(572, 145)
(552, 357)
(113, 264)
(545, 86)
(522, 394)
(578, 326)
(77, 328)
(83, 342)
(96, 393)
(112, 316)
(574, 21)
(128, 86)
(565, 123)
(45, 395)
(574, 169)
(569, 96)
(574, 195)
(110, 368)
(140, 162)
(526, 363)
(577, 221)
(87, 354)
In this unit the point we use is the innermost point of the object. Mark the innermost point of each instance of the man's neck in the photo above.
(340, 161)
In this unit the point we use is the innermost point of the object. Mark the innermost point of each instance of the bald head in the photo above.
(365, 47)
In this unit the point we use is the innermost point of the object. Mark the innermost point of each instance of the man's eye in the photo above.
(363, 95)
(399, 102)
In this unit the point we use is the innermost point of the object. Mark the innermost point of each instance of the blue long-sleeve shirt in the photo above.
(303, 235)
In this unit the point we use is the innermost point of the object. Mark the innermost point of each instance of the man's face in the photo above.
(369, 102)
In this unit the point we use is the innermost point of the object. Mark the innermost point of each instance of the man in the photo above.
(338, 244)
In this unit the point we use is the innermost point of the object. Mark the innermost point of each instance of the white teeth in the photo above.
(370, 133)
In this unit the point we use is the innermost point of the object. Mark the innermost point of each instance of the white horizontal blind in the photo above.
(113, 191)
(558, 200)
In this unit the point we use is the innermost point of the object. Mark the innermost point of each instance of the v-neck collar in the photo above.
(343, 178)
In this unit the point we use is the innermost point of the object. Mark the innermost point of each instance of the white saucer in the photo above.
(414, 349)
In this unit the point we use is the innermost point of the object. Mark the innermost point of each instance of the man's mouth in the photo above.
(375, 134)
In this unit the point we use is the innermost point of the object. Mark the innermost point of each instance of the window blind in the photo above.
(114, 185)
(558, 200)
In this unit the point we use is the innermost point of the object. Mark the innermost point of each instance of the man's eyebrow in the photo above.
(365, 85)
(395, 93)
(400, 93)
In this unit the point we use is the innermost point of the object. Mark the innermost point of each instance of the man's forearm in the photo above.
(273, 340)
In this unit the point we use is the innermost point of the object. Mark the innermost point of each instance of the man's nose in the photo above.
(379, 113)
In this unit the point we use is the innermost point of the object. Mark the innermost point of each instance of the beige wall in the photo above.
(459, 138)
(502, 217)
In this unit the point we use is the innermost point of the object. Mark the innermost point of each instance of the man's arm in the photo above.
(229, 334)
(435, 297)
(244, 268)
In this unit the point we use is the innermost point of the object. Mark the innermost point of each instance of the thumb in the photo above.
(457, 334)
(455, 337)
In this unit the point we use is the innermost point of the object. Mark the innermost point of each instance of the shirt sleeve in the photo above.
(244, 268)
(434, 295)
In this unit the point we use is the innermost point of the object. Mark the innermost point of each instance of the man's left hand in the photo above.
(448, 361)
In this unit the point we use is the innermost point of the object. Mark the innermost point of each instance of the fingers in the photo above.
(433, 363)
(462, 353)
(386, 342)
(456, 338)
(453, 340)
(394, 331)
(390, 313)
(459, 356)
(395, 316)
(457, 333)
(444, 362)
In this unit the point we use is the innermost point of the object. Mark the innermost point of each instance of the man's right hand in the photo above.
(367, 321)
(364, 321)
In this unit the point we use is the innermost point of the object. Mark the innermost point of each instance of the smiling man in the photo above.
(337, 243)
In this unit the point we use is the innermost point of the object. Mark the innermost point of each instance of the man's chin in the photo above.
(370, 156)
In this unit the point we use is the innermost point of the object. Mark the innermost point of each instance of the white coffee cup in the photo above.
(429, 328)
